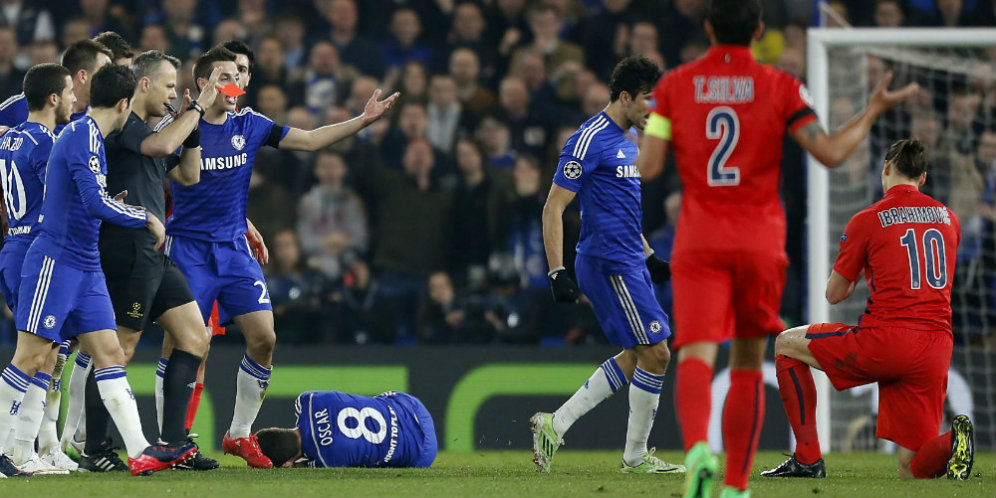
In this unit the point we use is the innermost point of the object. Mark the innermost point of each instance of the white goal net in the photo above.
(955, 116)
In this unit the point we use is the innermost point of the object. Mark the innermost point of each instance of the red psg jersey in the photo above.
(728, 116)
(906, 244)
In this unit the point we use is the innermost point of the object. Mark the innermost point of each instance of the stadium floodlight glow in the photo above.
(841, 66)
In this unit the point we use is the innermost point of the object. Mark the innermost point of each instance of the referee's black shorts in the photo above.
(143, 282)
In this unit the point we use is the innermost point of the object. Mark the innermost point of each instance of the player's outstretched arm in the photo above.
(169, 138)
(297, 139)
(564, 289)
(839, 288)
(831, 150)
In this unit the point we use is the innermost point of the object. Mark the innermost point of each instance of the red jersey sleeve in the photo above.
(797, 105)
(660, 103)
(853, 256)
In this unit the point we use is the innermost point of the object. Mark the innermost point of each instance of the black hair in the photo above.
(82, 55)
(111, 84)
(279, 445)
(734, 21)
(41, 81)
(908, 157)
(634, 75)
(148, 63)
(119, 47)
(240, 47)
(205, 63)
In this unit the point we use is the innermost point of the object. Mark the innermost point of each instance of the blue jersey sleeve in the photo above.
(14, 111)
(87, 172)
(40, 156)
(264, 131)
(579, 158)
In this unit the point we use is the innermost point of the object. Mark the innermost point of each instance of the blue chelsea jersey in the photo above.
(347, 430)
(214, 209)
(598, 162)
(76, 200)
(24, 152)
(14, 111)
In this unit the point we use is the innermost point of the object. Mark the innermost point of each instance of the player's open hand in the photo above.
(376, 108)
(156, 227)
(210, 90)
(121, 196)
(883, 99)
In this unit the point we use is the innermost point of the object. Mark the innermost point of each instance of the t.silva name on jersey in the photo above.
(224, 162)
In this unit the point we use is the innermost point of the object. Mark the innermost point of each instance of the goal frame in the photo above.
(819, 41)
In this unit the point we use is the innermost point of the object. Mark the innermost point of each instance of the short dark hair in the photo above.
(147, 63)
(908, 157)
(119, 47)
(240, 47)
(202, 68)
(279, 445)
(734, 21)
(634, 75)
(41, 81)
(82, 56)
(111, 84)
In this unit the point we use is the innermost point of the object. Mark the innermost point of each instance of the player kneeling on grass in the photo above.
(336, 429)
(905, 244)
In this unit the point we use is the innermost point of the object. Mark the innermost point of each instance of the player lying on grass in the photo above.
(62, 291)
(614, 268)
(905, 245)
(336, 429)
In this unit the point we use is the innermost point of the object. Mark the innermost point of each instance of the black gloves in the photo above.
(564, 289)
(660, 270)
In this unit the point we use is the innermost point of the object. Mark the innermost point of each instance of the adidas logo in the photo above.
(620, 154)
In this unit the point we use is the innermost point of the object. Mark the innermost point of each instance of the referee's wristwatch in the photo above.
(194, 106)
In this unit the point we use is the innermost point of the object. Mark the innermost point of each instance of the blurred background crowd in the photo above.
(425, 228)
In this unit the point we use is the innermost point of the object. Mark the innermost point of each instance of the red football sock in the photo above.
(798, 392)
(743, 417)
(693, 397)
(932, 458)
(195, 402)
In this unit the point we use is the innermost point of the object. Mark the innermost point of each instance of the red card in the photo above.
(232, 90)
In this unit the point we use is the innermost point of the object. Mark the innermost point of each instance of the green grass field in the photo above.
(499, 474)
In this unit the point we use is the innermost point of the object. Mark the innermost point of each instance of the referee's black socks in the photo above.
(178, 384)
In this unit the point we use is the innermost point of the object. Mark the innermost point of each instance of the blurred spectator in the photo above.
(838, 15)
(291, 32)
(952, 13)
(525, 232)
(795, 35)
(296, 292)
(414, 84)
(529, 67)
(354, 49)
(30, 20)
(545, 24)
(793, 61)
(363, 308)
(963, 111)
(10, 76)
(98, 19)
(444, 112)
(154, 37)
(508, 26)
(606, 34)
(662, 242)
(325, 80)
(888, 14)
(270, 68)
(186, 35)
(75, 30)
(404, 44)
(253, 15)
(682, 25)
(464, 67)
(527, 131)
(643, 41)
(272, 102)
(268, 206)
(228, 29)
(493, 133)
(44, 52)
(468, 33)
(438, 316)
(332, 222)
(476, 213)
(595, 99)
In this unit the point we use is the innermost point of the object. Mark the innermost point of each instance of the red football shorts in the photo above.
(719, 295)
(216, 329)
(911, 368)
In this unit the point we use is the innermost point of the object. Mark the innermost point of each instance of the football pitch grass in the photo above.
(503, 474)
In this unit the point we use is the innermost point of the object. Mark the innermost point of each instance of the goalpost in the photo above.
(956, 69)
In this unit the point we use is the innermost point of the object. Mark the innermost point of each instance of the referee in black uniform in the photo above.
(143, 282)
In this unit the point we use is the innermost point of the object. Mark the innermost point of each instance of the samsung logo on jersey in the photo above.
(629, 171)
(724, 89)
(227, 162)
(909, 214)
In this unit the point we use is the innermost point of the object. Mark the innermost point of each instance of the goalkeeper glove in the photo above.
(660, 270)
(564, 289)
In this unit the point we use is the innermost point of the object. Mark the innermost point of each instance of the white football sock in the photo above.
(644, 395)
(120, 403)
(76, 411)
(13, 385)
(48, 435)
(160, 395)
(606, 380)
(252, 382)
(29, 418)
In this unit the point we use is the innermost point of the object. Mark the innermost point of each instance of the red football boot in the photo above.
(156, 458)
(246, 448)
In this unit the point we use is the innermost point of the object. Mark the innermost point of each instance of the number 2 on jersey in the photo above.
(722, 123)
(13, 190)
(933, 257)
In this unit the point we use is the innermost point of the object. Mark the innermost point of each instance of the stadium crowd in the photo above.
(425, 228)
